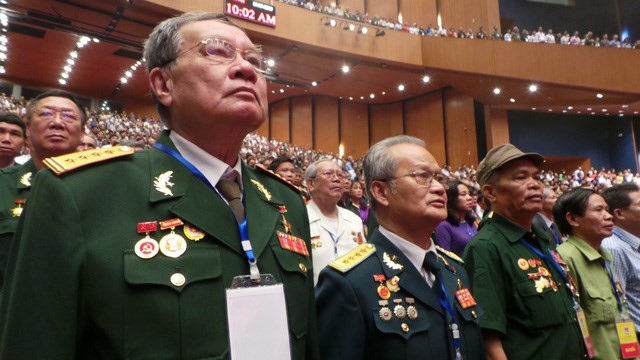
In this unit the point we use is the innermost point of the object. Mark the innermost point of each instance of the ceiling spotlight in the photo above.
(373, 96)
(380, 32)
(589, 109)
(512, 100)
(281, 91)
(533, 109)
(564, 111)
(2, 69)
(599, 96)
(271, 62)
(621, 115)
(497, 91)
(604, 110)
(313, 83)
(570, 107)
(384, 93)
(361, 97)
(330, 22)
(426, 79)
(123, 80)
(550, 110)
(96, 40)
(533, 88)
(401, 87)
(62, 82)
(350, 97)
(625, 106)
(350, 27)
(363, 30)
(345, 69)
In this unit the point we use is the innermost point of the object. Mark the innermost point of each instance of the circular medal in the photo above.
(385, 314)
(544, 271)
(192, 232)
(523, 264)
(173, 245)
(383, 292)
(412, 312)
(146, 248)
(400, 311)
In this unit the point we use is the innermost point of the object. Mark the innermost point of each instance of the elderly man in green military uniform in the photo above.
(399, 296)
(54, 123)
(515, 272)
(137, 257)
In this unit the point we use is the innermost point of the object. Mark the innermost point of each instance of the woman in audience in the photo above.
(583, 215)
(359, 204)
(456, 231)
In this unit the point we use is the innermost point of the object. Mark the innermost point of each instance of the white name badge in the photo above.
(258, 326)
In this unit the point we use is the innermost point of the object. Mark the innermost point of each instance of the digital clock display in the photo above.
(250, 10)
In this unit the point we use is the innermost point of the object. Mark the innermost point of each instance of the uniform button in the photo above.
(178, 279)
(405, 327)
(474, 314)
(302, 267)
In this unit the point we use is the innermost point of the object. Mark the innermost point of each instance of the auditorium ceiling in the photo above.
(41, 33)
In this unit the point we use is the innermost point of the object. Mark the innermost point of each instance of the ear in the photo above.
(161, 86)
(311, 184)
(380, 191)
(487, 191)
(618, 214)
(571, 219)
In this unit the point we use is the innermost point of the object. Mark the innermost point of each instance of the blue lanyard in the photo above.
(444, 302)
(549, 260)
(613, 285)
(335, 241)
(243, 227)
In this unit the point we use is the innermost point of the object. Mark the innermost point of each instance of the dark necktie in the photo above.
(430, 264)
(230, 189)
(557, 238)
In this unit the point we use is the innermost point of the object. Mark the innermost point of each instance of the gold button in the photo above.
(178, 279)
(474, 314)
(303, 267)
(405, 327)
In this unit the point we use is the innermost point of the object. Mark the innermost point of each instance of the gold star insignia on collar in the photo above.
(26, 179)
(390, 263)
(163, 184)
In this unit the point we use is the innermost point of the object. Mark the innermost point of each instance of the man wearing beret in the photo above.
(399, 297)
(159, 262)
(516, 275)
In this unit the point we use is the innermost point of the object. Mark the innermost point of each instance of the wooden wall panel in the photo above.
(263, 130)
(460, 129)
(387, 9)
(422, 12)
(325, 124)
(352, 5)
(354, 128)
(496, 124)
(302, 122)
(468, 14)
(280, 125)
(424, 119)
(385, 120)
(145, 109)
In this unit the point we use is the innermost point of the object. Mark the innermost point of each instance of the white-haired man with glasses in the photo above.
(177, 252)
(334, 230)
(398, 296)
(54, 121)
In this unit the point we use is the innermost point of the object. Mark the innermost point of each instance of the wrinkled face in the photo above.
(87, 143)
(11, 140)
(465, 201)
(55, 128)
(517, 190)
(596, 223)
(407, 197)
(287, 171)
(328, 182)
(204, 93)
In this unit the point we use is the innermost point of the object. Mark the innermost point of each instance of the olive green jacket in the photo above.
(76, 289)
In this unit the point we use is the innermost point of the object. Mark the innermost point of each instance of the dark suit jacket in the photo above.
(350, 326)
(76, 289)
(538, 220)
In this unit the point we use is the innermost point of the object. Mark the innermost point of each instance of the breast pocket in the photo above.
(175, 305)
(600, 304)
(543, 309)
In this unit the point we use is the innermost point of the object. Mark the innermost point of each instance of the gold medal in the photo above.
(523, 264)
(399, 310)
(392, 284)
(544, 271)
(383, 292)
(146, 248)
(17, 211)
(173, 245)
(384, 313)
(412, 311)
(192, 232)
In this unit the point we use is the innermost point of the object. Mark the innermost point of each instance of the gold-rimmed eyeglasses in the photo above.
(223, 51)
(421, 177)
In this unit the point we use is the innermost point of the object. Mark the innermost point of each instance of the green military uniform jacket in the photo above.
(77, 290)
(15, 185)
(350, 323)
(523, 297)
(597, 296)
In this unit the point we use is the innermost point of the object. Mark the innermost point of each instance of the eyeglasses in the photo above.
(223, 51)
(421, 177)
(49, 113)
(331, 173)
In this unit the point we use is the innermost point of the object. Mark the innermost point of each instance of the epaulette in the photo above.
(65, 163)
(278, 177)
(353, 257)
(449, 254)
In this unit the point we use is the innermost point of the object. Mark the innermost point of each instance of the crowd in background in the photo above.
(513, 34)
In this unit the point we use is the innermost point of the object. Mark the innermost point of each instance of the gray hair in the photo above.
(312, 170)
(379, 164)
(163, 45)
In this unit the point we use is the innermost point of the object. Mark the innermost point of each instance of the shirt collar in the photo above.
(627, 237)
(589, 252)
(514, 232)
(413, 252)
(211, 167)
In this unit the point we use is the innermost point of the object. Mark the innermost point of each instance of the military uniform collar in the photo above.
(26, 172)
(513, 232)
(589, 252)
(414, 253)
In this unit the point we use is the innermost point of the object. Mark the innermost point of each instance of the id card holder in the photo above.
(257, 319)
(584, 330)
(628, 338)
